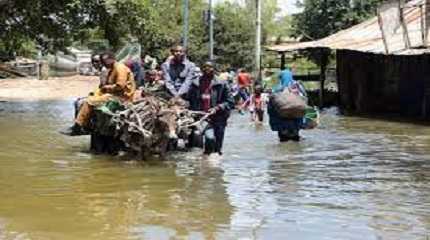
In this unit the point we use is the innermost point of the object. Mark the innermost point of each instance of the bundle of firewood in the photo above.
(149, 124)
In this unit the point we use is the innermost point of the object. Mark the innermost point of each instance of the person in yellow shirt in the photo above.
(120, 86)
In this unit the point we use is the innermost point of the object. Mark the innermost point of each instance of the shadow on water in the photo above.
(351, 178)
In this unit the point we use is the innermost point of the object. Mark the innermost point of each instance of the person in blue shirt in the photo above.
(285, 79)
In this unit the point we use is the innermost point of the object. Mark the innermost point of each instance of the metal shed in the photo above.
(383, 64)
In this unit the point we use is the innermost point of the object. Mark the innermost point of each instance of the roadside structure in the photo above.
(383, 64)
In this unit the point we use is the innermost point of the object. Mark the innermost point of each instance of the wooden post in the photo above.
(44, 70)
(283, 61)
(38, 63)
(422, 24)
(322, 82)
(426, 21)
(323, 57)
(404, 27)
(381, 27)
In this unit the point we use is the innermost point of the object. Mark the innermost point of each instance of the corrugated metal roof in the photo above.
(367, 36)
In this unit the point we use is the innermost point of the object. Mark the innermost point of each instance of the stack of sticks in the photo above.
(149, 124)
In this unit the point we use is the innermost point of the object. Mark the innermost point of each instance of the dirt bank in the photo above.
(26, 89)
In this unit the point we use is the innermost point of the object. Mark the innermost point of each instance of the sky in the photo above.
(287, 6)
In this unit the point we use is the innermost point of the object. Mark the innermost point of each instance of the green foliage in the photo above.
(155, 24)
(321, 18)
(302, 66)
(282, 28)
(198, 32)
(234, 36)
(49, 24)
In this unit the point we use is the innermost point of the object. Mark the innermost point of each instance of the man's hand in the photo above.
(176, 95)
(107, 88)
(176, 98)
(212, 111)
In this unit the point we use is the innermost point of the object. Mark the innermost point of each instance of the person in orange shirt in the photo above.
(244, 82)
(120, 86)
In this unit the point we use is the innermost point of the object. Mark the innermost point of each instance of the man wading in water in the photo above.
(213, 96)
(120, 86)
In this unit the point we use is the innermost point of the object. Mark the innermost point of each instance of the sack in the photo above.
(289, 105)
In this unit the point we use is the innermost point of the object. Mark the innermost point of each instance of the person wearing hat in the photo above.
(211, 95)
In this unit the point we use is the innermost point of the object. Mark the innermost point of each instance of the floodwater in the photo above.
(353, 178)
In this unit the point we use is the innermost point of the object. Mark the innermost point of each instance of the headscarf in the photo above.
(285, 80)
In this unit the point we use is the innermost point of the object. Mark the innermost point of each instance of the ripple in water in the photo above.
(353, 178)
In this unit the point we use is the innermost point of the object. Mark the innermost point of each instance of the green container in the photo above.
(311, 118)
(111, 107)
(311, 113)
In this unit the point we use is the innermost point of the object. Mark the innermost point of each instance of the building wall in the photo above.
(377, 83)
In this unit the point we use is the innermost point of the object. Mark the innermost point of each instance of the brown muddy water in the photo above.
(353, 178)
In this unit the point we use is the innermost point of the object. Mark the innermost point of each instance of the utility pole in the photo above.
(186, 19)
(258, 42)
(211, 32)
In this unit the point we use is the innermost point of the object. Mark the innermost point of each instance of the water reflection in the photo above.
(353, 178)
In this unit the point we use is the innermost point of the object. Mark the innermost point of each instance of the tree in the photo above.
(50, 24)
(234, 36)
(321, 18)
(155, 24)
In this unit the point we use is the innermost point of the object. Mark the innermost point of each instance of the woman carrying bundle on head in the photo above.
(287, 108)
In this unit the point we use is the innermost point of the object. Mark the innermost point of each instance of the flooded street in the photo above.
(354, 178)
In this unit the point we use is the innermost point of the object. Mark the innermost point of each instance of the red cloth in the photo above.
(129, 63)
(243, 79)
(205, 89)
(258, 102)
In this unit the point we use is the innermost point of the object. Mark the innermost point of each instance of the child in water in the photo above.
(256, 103)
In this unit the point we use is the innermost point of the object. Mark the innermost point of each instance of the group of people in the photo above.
(178, 78)
(260, 100)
